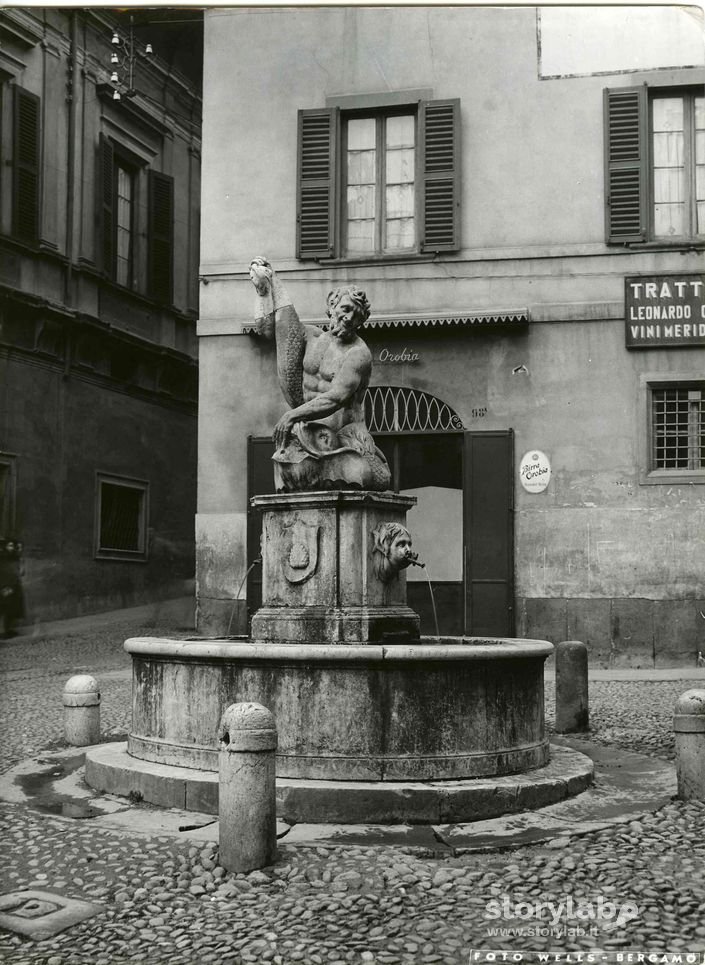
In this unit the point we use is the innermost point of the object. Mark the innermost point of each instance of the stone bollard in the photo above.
(571, 687)
(689, 728)
(81, 710)
(247, 805)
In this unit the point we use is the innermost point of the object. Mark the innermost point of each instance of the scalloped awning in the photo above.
(465, 320)
(515, 317)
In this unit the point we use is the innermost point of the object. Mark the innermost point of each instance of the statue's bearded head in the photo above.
(261, 273)
(348, 309)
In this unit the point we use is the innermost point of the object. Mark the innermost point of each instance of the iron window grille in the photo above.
(678, 428)
(121, 518)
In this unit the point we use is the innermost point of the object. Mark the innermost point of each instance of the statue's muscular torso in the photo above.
(323, 358)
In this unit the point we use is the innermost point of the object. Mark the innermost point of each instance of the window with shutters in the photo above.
(123, 226)
(121, 518)
(654, 165)
(26, 166)
(375, 183)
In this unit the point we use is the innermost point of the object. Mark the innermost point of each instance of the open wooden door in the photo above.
(488, 526)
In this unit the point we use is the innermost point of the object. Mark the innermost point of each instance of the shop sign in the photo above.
(664, 311)
(535, 471)
(396, 357)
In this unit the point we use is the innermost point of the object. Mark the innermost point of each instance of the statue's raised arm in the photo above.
(322, 441)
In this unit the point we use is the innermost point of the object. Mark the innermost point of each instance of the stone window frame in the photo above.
(141, 553)
(648, 476)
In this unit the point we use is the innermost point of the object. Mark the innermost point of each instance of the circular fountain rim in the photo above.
(441, 649)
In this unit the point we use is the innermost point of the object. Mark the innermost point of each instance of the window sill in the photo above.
(121, 556)
(697, 244)
(673, 477)
(404, 258)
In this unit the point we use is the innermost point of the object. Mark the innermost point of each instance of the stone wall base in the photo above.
(619, 632)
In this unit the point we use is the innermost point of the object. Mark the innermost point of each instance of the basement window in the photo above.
(121, 518)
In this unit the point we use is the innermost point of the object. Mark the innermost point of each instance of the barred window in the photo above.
(678, 428)
(121, 518)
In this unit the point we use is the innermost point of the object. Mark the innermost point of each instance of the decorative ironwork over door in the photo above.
(392, 408)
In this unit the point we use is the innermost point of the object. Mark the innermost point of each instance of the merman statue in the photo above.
(322, 441)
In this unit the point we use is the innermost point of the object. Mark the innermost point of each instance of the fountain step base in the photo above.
(111, 769)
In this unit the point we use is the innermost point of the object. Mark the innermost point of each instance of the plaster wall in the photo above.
(532, 239)
(48, 420)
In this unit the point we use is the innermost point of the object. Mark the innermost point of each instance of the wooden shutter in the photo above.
(440, 175)
(106, 205)
(316, 183)
(626, 175)
(488, 525)
(26, 166)
(161, 236)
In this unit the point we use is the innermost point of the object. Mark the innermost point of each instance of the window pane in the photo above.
(361, 201)
(700, 147)
(700, 164)
(361, 133)
(669, 185)
(361, 167)
(361, 236)
(400, 234)
(669, 220)
(400, 131)
(400, 201)
(124, 227)
(668, 114)
(700, 182)
(668, 150)
(400, 166)
(699, 113)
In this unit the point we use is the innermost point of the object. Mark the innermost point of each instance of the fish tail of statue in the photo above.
(276, 316)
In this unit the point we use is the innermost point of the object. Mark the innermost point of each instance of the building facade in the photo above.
(99, 228)
(521, 194)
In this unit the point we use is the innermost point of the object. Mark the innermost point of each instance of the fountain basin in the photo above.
(441, 709)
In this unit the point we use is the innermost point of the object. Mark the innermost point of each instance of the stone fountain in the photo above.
(375, 722)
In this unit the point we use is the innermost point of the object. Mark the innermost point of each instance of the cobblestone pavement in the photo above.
(168, 901)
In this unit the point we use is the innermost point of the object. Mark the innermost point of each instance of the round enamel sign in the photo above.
(535, 471)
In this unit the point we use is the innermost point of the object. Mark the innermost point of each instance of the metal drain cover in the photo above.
(41, 914)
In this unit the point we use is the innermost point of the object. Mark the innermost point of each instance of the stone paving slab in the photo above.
(43, 914)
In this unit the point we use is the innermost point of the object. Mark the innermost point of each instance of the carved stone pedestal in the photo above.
(320, 570)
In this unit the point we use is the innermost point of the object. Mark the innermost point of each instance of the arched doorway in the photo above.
(422, 438)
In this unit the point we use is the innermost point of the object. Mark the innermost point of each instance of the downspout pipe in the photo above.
(72, 100)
